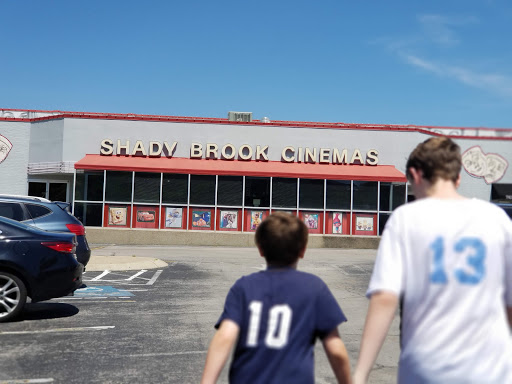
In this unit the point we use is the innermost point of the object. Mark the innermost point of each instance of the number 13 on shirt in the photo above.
(475, 261)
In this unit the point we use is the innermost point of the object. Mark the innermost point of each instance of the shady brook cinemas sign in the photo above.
(289, 154)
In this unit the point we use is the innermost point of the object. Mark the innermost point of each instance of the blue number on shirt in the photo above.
(475, 260)
(278, 328)
(438, 276)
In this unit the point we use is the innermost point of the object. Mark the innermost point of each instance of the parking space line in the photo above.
(155, 276)
(167, 354)
(48, 380)
(137, 274)
(57, 330)
(106, 272)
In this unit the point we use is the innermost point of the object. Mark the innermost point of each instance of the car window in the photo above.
(11, 211)
(37, 210)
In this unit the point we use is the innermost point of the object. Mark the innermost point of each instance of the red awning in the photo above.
(242, 168)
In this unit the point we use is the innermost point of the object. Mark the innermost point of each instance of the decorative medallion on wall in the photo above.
(491, 166)
(5, 148)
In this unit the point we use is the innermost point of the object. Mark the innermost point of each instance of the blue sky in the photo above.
(436, 62)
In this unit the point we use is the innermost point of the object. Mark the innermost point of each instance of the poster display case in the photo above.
(229, 219)
(337, 223)
(117, 215)
(314, 221)
(364, 224)
(174, 217)
(253, 218)
(145, 217)
(201, 219)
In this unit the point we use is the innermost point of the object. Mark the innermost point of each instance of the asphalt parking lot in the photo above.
(154, 325)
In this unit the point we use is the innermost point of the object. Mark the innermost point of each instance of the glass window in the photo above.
(37, 210)
(284, 192)
(89, 186)
(37, 189)
(175, 189)
(147, 187)
(89, 214)
(58, 192)
(338, 194)
(501, 193)
(202, 189)
(119, 186)
(392, 195)
(383, 218)
(12, 211)
(230, 190)
(257, 191)
(311, 193)
(365, 195)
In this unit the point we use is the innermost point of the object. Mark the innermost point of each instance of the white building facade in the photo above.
(170, 173)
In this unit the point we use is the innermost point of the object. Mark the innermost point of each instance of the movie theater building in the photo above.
(181, 180)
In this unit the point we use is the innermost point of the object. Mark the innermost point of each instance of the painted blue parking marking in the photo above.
(103, 291)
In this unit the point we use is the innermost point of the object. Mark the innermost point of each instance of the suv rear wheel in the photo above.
(13, 295)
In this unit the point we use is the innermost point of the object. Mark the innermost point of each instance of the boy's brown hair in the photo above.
(437, 157)
(281, 237)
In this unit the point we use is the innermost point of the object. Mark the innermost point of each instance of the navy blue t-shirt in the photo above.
(280, 312)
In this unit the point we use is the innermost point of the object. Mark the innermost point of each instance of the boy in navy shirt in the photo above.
(273, 317)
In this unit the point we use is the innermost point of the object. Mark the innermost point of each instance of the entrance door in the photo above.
(51, 190)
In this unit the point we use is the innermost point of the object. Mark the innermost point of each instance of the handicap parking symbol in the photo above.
(102, 291)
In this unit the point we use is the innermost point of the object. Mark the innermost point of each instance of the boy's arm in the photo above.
(219, 350)
(381, 312)
(338, 356)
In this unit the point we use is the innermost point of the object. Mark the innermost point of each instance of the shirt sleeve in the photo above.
(388, 269)
(233, 307)
(328, 313)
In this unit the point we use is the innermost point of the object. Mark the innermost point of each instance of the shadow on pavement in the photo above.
(40, 311)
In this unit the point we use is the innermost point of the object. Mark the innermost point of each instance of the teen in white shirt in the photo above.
(448, 260)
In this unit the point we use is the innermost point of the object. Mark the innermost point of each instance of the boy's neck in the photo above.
(443, 189)
(290, 266)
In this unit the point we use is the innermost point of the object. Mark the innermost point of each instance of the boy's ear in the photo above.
(261, 252)
(457, 183)
(416, 175)
(302, 253)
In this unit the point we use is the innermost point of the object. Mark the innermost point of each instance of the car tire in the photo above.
(13, 295)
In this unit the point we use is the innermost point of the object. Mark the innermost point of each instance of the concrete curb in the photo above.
(123, 263)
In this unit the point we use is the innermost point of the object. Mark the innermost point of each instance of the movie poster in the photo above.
(173, 217)
(145, 216)
(311, 220)
(117, 215)
(229, 219)
(337, 219)
(364, 223)
(256, 218)
(201, 219)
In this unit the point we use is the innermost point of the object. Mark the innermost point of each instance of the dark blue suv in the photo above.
(36, 264)
(46, 215)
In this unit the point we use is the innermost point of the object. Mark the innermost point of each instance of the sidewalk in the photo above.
(123, 263)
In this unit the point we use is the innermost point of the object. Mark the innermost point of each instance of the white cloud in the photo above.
(440, 29)
(489, 82)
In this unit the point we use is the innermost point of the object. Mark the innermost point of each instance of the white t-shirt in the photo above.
(450, 261)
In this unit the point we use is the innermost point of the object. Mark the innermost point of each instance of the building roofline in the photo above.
(428, 129)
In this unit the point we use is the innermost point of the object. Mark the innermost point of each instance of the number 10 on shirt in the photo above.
(278, 326)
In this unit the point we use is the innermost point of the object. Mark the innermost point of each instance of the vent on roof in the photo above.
(240, 116)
